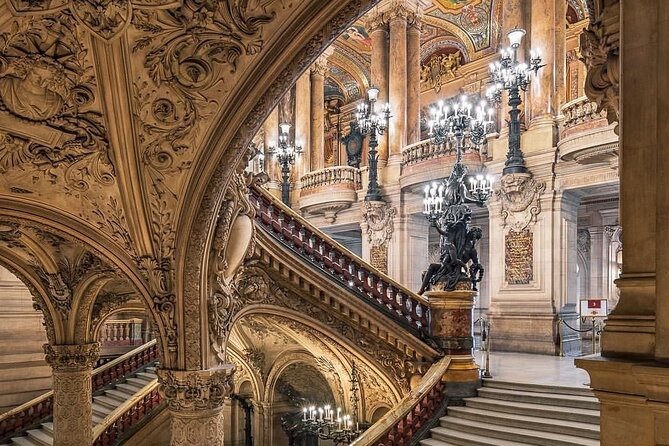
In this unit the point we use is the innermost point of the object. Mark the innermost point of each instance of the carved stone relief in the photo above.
(520, 196)
(600, 51)
(379, 217)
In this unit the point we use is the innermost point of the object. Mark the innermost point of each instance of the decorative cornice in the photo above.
(72, 358)
(190, 391)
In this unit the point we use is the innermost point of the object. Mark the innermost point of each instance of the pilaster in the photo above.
(196, 400)
(72, 392)
(377, 27)
(317, 131)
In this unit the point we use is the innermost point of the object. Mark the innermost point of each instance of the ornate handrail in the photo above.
(123, 365)
(578, 111)
(330, 176)
(124, 417)
(36, 410)
(373, 286)
(400, 424)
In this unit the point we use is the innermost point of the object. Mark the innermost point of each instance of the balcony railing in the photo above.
(331, 176)
(422, 151)
(121, 332)
(33, 412)
(410, 419)
(581, 111)
(333, 259)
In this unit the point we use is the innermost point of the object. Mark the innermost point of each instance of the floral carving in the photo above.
(520, 195)
(45, 79)
(187, 50)
(72, 358)
(188, 391)
(379, 218)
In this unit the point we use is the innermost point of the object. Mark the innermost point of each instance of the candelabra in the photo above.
(512, 75)
(456, 125)
(372, 124)
(327, 424)
(286, 153)
(445, 202)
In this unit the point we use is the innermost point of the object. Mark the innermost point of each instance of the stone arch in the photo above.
(256, 381)
(377, 412)
(45, 248)
(225, 147)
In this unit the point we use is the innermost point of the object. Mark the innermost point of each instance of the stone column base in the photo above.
(522, 332)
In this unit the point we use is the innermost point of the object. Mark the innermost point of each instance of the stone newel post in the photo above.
(195, 400)
(453, 329)
(72, 392)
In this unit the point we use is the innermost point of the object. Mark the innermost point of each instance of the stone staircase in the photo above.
(103, 405)
(506, 414)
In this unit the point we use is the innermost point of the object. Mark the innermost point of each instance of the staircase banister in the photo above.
(398, 413)
(23, 407)
(125, 407)
(123, 357)
(352, 257)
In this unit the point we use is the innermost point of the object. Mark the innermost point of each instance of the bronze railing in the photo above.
(402, 424)
(333, 259)
(31, 413)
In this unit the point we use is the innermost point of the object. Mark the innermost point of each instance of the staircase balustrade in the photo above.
(373, 286)
(121, 332)
(33, 412)
(413, 415)
(332, 175)
(121, 420)
(422, 151)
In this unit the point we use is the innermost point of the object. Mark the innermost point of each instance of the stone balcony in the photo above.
(329, 191)
(585, 135)
(424, 161)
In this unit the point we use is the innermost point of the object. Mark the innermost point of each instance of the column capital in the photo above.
(320, 66)
(196, 390)
(376, 22)
(72, 357)
(405, 10)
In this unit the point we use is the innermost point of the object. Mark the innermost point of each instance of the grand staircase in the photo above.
(124, 391)
(506, 414)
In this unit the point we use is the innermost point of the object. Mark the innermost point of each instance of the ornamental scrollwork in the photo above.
(72, 358)
(520, 196)
(600, 51)
(46, 79)
(439, 70)
(188, 391)
(379, 217)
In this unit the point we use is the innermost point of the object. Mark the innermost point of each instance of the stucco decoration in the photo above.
(600, 51)
(520, 195)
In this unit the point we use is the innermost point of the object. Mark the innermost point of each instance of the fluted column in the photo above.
(377, 28)
(397, 80)
(196, 400)
(317, 132)
(543, 39)
(303, 122)
(413, 80)
(72, 392)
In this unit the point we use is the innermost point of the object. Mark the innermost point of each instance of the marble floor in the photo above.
(535, 369)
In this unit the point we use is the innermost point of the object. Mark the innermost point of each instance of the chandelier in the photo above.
(285, 153)
(510, 74)
(327, 424)
(456, 125)
(372, 123)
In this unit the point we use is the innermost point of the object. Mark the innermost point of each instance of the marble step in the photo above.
(539, 410)
(139, 382)
(514, 434)
(527, 422)
(100, 410)
(541, 388)
(552, 399)
(40, 437)
(119, 394)
(444, 437)
(104, 400)
(131, 389)
(147, 376)
(24, 441)
(151, 369)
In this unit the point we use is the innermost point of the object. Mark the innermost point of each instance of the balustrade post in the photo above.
(72, 392)
(452, 328)
(195, 400)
